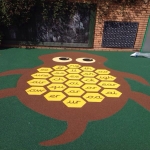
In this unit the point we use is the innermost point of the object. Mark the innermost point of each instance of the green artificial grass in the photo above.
(22, 129)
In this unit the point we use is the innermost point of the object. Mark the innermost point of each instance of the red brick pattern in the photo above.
(141, 18)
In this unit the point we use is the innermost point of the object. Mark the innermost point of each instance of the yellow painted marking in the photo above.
(60, 67)
(41, 75)
(106, 77)
(88, 74)
(56, 87)
(44, 69)
(93, 97)
(54, 96)
(36, 90)
(59, 73)
(87, 68)
(38, 82)
(74, 91)
(58, 79)
(111, 93)
(110, 84)
(74, 66)
(90, 80)
(74, 76)
(102, 71)
(91, 88)
(74, 102)
(73, 70)
(74, 83)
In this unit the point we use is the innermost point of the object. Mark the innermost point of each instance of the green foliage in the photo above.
(112, 8)
(15, 10)
(21, 11)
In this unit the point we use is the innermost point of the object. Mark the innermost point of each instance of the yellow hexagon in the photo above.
(60, 67)
(102, 71)
(93, 97)
(74, 76)
(74, 91)
(90, 80)
(59, 73)
(38, 82)
(74, 83)
(73, 70)
(91, 88)
(106, 77)
(57, 79)
(88, 74)
(41, 75)
(87, 68)
(74, 66)
(105, 84)
(74, 102)
(111, 93)
(36, 90)
(54, 96)
(56, 87)
(44, 69)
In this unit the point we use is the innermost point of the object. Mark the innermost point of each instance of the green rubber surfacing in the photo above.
(22, 129)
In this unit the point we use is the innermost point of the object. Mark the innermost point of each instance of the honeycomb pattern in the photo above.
(73, 85)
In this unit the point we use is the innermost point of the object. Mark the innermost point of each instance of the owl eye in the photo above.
(62, 59)
(85, 60)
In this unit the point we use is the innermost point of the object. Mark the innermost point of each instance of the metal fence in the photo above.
(73, 30)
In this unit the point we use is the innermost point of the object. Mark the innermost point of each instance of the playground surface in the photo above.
(110, 109)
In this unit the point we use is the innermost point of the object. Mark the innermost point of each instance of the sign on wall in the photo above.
(119, 34)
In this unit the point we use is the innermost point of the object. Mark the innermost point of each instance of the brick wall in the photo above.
(136, 15)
